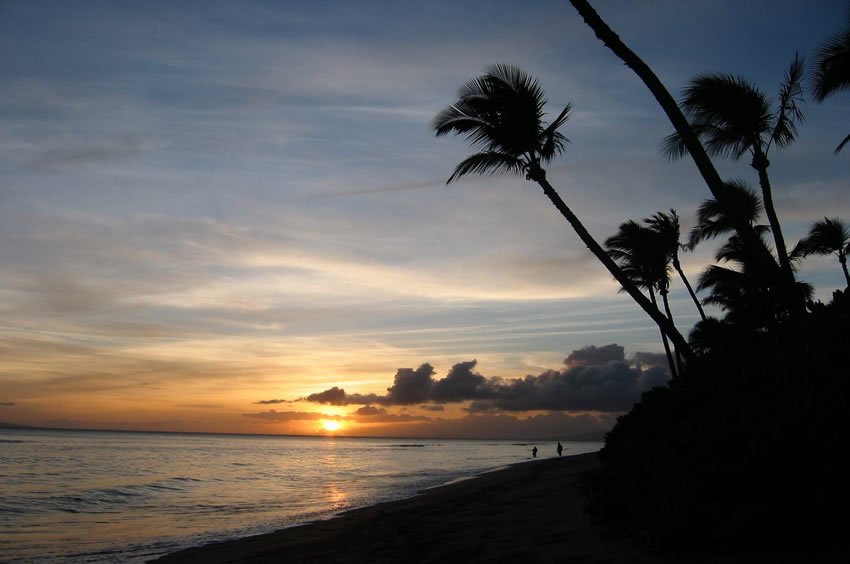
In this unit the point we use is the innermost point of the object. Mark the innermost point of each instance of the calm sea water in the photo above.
(91, 496)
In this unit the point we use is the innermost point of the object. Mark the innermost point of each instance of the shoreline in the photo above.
(530, 510)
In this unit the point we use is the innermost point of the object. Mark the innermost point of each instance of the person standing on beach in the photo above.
(560, 449)
(534, 452)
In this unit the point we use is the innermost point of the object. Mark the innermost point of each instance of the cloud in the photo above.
(337, 396)
(369, 410)
(594, 379)
(411, 386)
(7, 404)
(596, 355)
(372, 414)
(272, 401)
(650, 360)
(459, 384)
(610, 386)
(277, 416)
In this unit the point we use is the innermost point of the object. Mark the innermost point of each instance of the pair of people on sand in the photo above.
(560, 449)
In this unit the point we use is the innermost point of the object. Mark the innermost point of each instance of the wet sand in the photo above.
(530, 512)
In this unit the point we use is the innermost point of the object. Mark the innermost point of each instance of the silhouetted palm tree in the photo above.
(734, 118)
(502, 113)
(746, 294)
(831, 72)
(826, 237)
(668, 229)
(644, 257)
(689, 138)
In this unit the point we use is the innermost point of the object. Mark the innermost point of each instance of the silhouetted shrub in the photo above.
(744, 450)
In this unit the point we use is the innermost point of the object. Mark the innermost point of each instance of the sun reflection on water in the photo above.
(336, 496)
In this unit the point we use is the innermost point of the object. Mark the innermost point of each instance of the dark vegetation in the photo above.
(743, 450)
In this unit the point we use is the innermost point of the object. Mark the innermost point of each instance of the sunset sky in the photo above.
(232, 216)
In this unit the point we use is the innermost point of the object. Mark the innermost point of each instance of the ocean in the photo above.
(108, 496)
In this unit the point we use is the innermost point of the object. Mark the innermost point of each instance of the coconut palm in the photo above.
(831, 71)
(747, 293)
(501, 112)
(734, 118)
(668, 229)
(826, 237)
(644, 257)
(680, 123)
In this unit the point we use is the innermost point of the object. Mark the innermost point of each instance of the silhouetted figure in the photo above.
(560, 449)
(534, 452)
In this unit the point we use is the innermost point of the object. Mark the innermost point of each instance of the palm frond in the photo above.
(788, 113)
(832, 65)
(714, 219)
(804, 289)
(641, 254)
(489, 162)
(719, 276)
(826, 236)
(456, 119)
(478, 87)
(841, 145)
(666, 226)
(519, 81)
(554, 142)
(727, 113)
(673, 148)
(560, 120)
(720, 142)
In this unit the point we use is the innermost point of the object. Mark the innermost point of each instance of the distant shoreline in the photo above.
(572, 438)
(531, 511)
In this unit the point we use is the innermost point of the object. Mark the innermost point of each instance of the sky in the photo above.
(232, 216)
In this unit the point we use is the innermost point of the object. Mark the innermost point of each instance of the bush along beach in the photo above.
(741, 453)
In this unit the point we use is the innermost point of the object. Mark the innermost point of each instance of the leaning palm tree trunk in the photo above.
(760, 163)
(665, 325)
(664, 340)
(665, 299)
(678, 267)
(680, 123)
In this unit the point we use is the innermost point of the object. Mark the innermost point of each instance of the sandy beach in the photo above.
(530, 512)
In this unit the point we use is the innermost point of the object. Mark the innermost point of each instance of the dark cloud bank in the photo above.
(593, 379)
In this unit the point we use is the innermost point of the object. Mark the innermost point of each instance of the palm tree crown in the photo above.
(826, 236)
(643, 255)
(714, 219)
(668, 229)
(734, 118)
(831, 71)
(502, 113)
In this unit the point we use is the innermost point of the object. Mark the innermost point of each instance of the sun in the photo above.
(330, 425)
